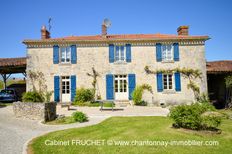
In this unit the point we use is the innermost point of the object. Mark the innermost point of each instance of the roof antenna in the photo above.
(49, 24)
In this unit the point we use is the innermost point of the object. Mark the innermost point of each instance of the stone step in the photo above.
(122, 103)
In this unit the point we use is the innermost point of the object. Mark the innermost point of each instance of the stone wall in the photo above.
(191, 56)
(35, 111)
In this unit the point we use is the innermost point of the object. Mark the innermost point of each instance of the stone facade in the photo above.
(192, 55)
(98, 52)
(35, 111)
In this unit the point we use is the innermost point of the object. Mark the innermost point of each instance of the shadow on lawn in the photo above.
(5, 104)
(2, 105)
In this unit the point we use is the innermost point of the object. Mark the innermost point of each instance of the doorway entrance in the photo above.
(65, 89)
(121, 87)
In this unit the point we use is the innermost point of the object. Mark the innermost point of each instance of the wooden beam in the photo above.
(5, 77)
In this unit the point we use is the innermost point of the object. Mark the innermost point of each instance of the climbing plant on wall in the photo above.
(188, 73)
(38, 80)
(94, 75)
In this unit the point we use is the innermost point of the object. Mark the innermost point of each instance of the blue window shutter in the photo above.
(55, 54)
(128, 52)
(111, 53)
(159, 77)
(73, 54)
(132, 84)
(177, 81)
(158, 52)
(109, 86)
(176, 52)
(56, 88)
(73, 87)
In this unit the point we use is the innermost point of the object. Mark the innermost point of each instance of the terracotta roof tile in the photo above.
(121, 37)
(13, 61)
(129, 36)
(219, 66)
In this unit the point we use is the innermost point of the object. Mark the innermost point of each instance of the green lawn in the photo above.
(135, 128)
(61, 121)
(3, 104)
(10, 82)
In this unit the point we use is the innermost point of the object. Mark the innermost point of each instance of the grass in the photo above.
(94, 104)
(3, 104)
(227, 113)
(61, 121)
(10, 82)
(135, 128)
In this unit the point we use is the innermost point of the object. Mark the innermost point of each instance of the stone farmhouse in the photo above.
(120, 61)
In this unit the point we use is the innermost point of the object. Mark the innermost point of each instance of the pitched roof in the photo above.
(121, 37)
(130, 36)
(13, 61)
(219, 66)
(13, 65)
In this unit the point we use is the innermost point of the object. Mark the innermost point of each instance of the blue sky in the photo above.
(22, 19)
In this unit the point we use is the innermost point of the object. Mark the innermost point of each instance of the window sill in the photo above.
(120, 62)
(168, 61)
(169, 91)
(65, 64)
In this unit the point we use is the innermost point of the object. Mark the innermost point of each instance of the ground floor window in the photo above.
(65, 84)
(65, 89)
(120, 83)
(120, 87)
(168, 81)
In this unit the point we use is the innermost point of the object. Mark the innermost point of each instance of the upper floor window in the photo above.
(167, 52)
(168, 81)
(65, 54)
(120, 54)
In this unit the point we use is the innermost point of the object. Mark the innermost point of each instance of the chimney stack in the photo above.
(183, 30)
(104, 30)
(44, 33)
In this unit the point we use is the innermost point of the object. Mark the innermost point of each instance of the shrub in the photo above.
(190, 116)
(211, 120)
(79, 116)
(47, 96)
(83, 95)
(138, 94)
(32, 96)
(203, 98)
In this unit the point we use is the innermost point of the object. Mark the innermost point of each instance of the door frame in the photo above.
(61, 87)
(124, 95)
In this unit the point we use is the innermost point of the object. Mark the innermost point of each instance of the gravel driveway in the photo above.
(15, 133)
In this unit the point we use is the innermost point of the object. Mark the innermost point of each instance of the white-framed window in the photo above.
(120, 83)
(65, 85)
(120, 54)
(168, 81)
(167, 52)
(65, 53)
